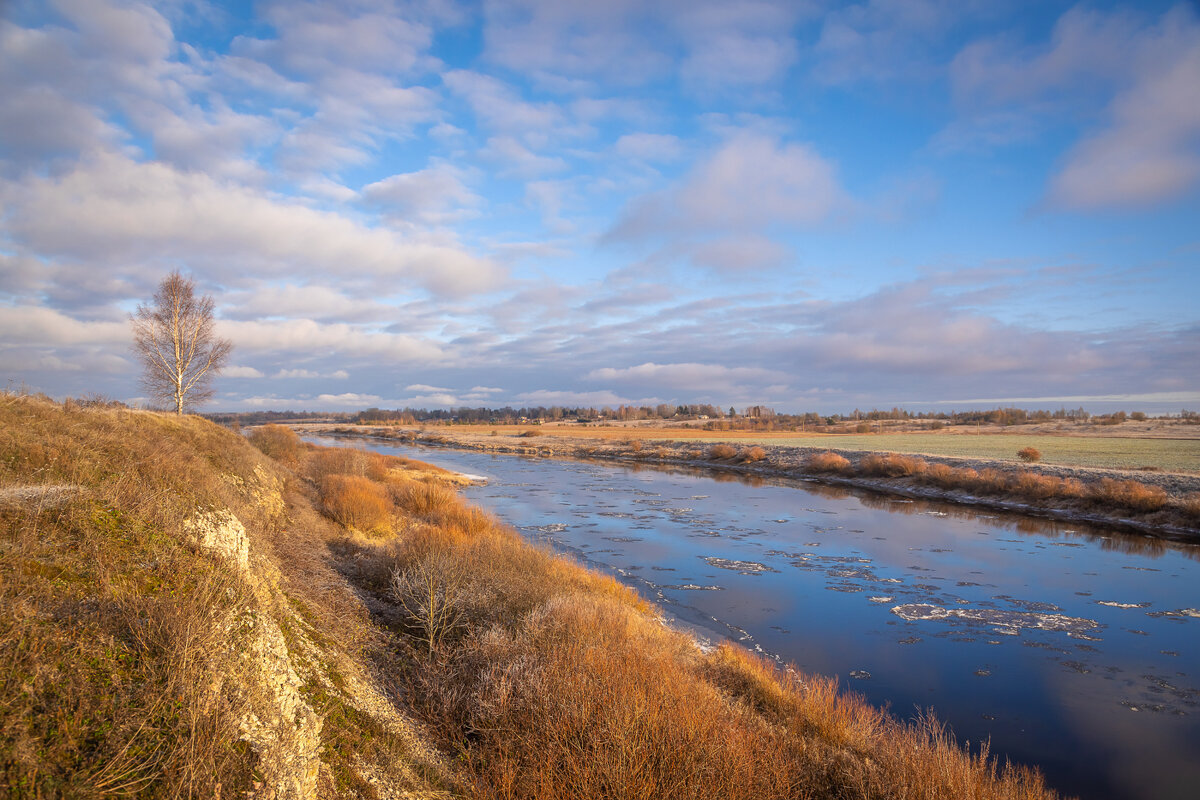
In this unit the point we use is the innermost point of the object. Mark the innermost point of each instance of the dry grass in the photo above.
(555, 682)
(356, 502)
(828, 462)
(891, 465)
(722, 451)
(1029, 455)
(547, 680)
(1129, 494)
(279, 442)
(113, 624)
(753, 454)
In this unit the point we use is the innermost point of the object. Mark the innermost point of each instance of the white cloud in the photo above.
(740, 254)
(426, 389)
(33, 325)
(693, 376)
(302, 337)
(340, 374)
(1151, 150)
(114, 210)
(753, 181)
(1143, 397)
(485, 390)
(548, 397)
(515, 160)
(649, 147)
(347, 399)
(430, 400)
(435, 195)
(241, 372)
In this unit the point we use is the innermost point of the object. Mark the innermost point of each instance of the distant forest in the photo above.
(712, 417)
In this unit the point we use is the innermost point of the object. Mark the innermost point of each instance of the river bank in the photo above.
(1161, 504)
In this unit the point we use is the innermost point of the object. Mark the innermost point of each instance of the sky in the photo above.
(814, 206)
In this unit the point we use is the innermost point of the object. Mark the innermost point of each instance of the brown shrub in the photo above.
(279, 442)
(356, 502)
(891, 465)
(722, 451)
(421, 498)
(1035, 486)
(753, 454)
(1129, 494)
(327, 461)
(1029, 455)
(828, 461)
(1191, 504)
(943, 476)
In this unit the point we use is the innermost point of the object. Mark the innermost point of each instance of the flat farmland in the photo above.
(1174, 448)
(1171, 455)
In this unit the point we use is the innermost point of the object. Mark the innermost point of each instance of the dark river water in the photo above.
(1073, 648)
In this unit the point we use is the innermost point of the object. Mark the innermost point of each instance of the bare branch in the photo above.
(176, 342)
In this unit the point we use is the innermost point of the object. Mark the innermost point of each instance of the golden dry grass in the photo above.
(827, 462)
(555, 682)
(547, 680)
(112, 623)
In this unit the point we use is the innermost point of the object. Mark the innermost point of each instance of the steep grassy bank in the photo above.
(183, 616)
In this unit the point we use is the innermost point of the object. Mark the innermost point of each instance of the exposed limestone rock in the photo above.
(223, 533)
(286, 733)
(283, 730)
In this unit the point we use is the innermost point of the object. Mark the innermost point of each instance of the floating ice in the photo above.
(881, 599)
(1004, 620)
(744, 567)
(1115, 604)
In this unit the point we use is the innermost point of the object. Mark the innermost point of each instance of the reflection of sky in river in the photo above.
(999, 624)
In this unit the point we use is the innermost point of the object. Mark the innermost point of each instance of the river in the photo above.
(1073, 648)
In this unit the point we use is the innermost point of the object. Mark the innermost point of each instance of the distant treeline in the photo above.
(713, 417)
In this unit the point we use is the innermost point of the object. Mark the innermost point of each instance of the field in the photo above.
(1171, 455)
(1098, 447)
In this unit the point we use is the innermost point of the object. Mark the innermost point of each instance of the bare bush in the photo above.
(1129, 494)
(752, 454)
(722, 451)
(356, 502)
(430, 592)
(279, 442)
(891, 465)
(1030, 455)
(828, 462)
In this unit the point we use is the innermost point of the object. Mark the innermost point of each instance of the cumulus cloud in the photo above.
(649, 146)
(1147, 73)
(435, 195)
(241, 372)
(691, 376)
(347, 400)
(751, 182)
(112, 210)
(552, 397)
(302, 337)
(339, 374)
(708, 43)
(1150, 151)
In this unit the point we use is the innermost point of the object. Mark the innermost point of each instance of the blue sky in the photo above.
(808, 205)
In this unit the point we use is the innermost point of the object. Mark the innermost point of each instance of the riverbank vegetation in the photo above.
(327, 639)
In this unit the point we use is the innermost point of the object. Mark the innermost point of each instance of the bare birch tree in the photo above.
(175, 341)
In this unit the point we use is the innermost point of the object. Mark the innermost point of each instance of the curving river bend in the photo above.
(1073, 648)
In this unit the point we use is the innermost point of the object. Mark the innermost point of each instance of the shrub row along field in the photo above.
(136, 660)
(1107, 492)
(1172, 455)
(552, 681)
